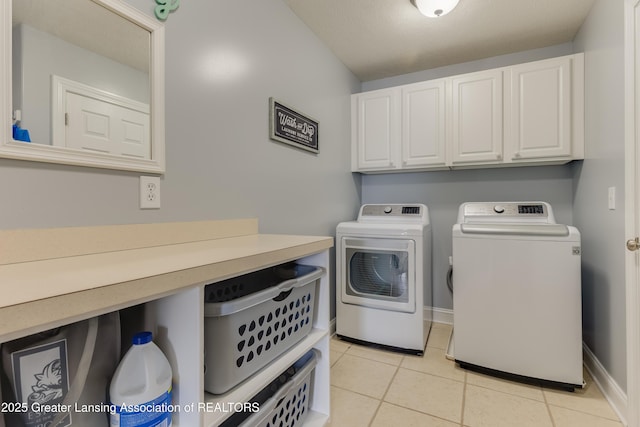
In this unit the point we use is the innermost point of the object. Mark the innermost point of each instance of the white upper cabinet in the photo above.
(423, 124)
(375, 130)
(476, 118)
(525, 114)
(542, 110)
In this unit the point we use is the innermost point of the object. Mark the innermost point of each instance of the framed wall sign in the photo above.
(291, 127)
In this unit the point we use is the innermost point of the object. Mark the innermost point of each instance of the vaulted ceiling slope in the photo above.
(383, 38)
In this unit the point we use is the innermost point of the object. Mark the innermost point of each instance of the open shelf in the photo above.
(247, 389)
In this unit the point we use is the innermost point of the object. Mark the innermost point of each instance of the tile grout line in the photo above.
(355, 392)
(464, 399)
(589, 414)
(381, 400)
(407, 407)
(375, 413)
(546, 404)
(508, 393)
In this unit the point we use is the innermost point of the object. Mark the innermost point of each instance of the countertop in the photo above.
(44, 293)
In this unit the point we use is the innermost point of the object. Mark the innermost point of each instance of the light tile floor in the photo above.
(377, 388)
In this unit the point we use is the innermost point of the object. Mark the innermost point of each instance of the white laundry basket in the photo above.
(263, 314)
(285, 402)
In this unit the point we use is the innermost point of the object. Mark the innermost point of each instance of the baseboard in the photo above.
(440, 315)
(610, 389)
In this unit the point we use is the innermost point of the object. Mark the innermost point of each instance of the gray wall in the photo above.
(443, 192)
(220, 161)
(603, 285)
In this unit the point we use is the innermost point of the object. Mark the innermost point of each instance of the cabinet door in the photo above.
(476, 117)
(423, 124)
(540, 110)
(376, 130)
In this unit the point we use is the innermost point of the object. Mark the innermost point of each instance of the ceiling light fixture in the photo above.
(435, 8)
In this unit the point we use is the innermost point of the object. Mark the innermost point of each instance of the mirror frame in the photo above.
(11, 149)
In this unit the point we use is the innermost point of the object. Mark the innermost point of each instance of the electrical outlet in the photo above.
(149, 192)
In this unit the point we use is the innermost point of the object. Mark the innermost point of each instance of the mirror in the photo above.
(83, 84)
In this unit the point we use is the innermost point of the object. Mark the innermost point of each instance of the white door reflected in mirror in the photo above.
(90, 119)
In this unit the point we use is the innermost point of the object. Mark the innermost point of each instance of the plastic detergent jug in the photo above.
(141, 386)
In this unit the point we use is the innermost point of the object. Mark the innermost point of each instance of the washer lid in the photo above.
(546, 230)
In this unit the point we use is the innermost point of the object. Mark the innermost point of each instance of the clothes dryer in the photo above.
(383, 277)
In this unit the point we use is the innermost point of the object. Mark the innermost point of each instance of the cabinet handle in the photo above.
(516, 156)
(499, 156)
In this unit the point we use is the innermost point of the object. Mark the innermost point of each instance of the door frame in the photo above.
(632, 211)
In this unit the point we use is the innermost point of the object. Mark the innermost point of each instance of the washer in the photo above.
(517, 292)
(383, 277)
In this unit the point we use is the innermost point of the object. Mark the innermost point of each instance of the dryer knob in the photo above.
(498, 209)
(387, 209)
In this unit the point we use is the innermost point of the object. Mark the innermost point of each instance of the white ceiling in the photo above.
(383, 38)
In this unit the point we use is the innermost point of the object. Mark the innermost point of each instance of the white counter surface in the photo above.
(44, 293)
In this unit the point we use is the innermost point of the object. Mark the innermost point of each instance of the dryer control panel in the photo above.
(414, 213)
(390, 210)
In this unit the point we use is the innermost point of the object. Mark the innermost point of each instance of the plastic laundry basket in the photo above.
(285, 401)
(245, 333)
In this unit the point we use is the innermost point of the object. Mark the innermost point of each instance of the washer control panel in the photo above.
(539, 212)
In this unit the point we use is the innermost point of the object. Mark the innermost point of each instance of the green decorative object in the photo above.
(165, 7)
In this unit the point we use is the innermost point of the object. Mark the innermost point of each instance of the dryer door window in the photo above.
(379, 273)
